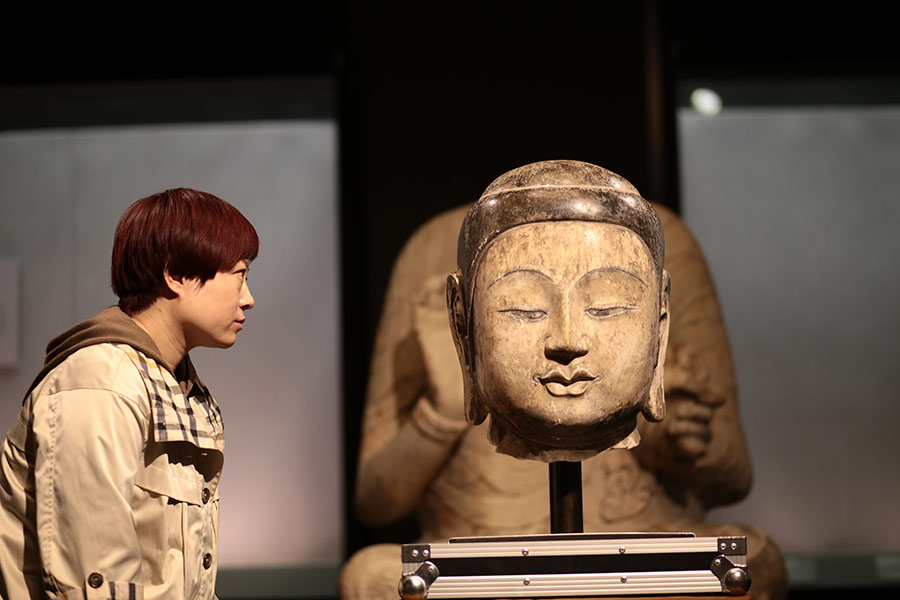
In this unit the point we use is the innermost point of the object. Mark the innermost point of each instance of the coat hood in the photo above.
(111, 325)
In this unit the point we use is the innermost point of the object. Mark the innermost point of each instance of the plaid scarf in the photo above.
(191, 415)
(111, 590)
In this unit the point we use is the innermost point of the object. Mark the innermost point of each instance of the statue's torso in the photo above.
(481, 492)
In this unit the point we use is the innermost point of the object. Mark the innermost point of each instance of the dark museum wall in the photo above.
(430, 106)
(434, 111)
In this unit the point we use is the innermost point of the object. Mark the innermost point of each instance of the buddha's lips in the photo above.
(558, 382)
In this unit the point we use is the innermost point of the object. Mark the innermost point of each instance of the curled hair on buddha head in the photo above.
(186, 232)
(555, 190)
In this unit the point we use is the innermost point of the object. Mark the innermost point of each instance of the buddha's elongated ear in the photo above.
(655, 407)
(476, 412)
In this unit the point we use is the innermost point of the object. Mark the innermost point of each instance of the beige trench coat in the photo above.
(93, 506)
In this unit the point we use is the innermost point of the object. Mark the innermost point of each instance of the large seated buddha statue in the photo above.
(468, 459)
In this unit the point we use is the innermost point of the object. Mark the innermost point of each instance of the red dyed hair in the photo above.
(191, 233)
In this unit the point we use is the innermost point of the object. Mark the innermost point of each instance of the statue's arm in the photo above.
(414, 404)
(701, 444)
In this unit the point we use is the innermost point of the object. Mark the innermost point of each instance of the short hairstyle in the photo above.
(191, 233)
(554, 190)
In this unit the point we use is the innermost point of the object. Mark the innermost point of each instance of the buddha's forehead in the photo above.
(565, 252)
(555, 190)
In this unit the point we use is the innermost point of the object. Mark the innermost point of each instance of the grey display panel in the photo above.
(62, 193)
(797, 209)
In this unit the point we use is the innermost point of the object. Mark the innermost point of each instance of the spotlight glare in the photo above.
(706, 102)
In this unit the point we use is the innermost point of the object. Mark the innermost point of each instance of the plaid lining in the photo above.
(125, 591)
(194, 418)
(110, 591)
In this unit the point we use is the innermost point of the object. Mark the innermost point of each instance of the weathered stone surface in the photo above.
(419, 455)
(560, 311)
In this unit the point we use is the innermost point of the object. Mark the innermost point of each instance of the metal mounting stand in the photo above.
(566, 509)
(571, 563)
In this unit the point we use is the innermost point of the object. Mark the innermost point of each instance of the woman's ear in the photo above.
(174, 283)
(476, 412)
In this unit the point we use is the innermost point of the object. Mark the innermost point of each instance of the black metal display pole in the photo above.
(566, 512)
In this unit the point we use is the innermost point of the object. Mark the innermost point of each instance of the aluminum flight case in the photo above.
(572, 565)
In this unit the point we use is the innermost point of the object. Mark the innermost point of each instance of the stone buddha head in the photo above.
(559, 311)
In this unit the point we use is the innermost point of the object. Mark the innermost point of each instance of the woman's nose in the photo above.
(247, 301)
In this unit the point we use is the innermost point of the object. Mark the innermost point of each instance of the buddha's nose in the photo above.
(565, 343)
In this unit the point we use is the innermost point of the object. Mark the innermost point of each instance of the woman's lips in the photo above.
(561, 383)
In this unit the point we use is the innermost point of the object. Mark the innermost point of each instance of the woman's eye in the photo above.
(608, 311)
(525, 314)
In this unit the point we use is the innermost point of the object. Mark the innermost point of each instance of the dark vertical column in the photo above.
(566, 512)
(432, 110)
(662, 163)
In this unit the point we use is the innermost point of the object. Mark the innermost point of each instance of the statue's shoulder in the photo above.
(443, 225)
(679, 238)
(432, 246)
(668, 217)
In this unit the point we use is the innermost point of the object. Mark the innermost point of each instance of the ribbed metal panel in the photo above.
(556, 548)
(584, 584)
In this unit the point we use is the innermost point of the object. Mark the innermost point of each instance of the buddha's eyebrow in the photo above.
(612, 270)
(514, 271)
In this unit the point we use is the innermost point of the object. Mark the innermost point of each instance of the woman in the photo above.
(109, 477)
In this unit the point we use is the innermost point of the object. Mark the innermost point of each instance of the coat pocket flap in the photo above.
(166, 483)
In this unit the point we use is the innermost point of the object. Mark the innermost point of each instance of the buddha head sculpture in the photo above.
(559, 311)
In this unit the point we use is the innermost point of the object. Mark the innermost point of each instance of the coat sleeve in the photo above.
(87, 446)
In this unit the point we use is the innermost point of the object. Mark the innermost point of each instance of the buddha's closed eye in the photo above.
(525, 314)
(608, 311)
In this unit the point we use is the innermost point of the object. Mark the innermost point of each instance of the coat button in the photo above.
(204, 495)
(207, 560)
(95, 580)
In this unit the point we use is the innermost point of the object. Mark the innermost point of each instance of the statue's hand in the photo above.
(691, 401)
(431, 324)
